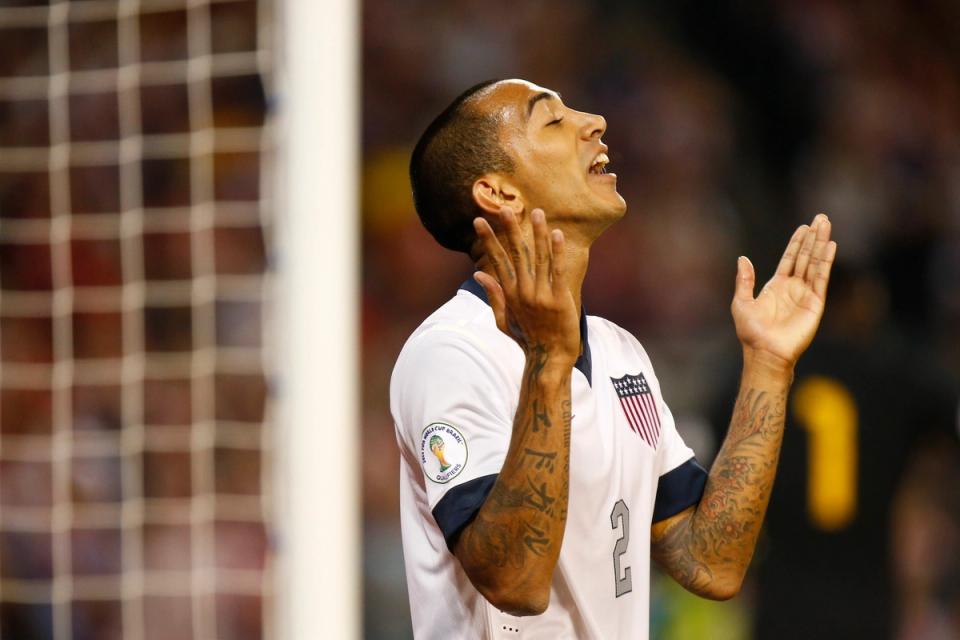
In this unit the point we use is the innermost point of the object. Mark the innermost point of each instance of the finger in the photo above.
(789, 259)
(823, 270)
(498, 301)
(746, 280)
(550, 256)
(519, 252)
(496, 255)
(541, 245)
(806, 247)
(559, 269)
(819, 249)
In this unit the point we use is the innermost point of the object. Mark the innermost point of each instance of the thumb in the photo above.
(745, 280)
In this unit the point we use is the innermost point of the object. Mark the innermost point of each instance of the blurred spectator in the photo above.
(927, 547)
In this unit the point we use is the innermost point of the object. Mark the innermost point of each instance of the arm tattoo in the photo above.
(539, 497)
(544, 459)
(717, 541)
(675, 551)
(506, 497)
(514, 541)
(541, 418)
(526, 254)
(535, 540)
(493, 541)
(537, 360)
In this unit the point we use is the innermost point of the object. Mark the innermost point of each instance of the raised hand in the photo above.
(783, 319)
(529, 294)
(708, 549)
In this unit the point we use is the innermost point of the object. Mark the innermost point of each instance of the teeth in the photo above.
(599, 163)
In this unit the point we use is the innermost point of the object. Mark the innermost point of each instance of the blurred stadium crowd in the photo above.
(133, 253)
(727, 128)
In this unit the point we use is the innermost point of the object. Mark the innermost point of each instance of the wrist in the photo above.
(762, 364)
(550, 365)
(550, 355)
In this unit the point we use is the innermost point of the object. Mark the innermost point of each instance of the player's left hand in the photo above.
(780, 323)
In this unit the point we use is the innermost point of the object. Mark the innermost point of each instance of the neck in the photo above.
(578, 256)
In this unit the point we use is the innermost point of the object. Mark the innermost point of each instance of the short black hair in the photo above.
(459, 146)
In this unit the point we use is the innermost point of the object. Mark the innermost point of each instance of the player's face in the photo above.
(560, 159)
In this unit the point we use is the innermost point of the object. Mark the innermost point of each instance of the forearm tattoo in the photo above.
(717, 541)
(515, 538)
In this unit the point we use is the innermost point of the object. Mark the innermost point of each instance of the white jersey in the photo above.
(453, 396)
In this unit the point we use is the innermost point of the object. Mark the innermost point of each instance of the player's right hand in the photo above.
(528, 290)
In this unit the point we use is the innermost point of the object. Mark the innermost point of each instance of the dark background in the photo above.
(729, 124)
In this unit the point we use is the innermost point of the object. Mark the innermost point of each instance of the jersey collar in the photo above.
(584, 363)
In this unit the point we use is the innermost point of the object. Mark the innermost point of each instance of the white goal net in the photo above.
(135, 239)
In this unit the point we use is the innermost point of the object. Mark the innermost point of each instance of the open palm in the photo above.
(783, 319)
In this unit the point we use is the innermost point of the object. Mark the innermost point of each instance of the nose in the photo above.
(594, 126)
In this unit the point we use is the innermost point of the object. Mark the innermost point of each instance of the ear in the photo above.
(492, 192)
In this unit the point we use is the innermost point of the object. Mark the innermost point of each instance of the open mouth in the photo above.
(599, 165)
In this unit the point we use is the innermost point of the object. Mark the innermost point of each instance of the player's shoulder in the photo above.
(462, 326)
(616, 338)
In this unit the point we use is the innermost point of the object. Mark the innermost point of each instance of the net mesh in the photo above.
(134, 434)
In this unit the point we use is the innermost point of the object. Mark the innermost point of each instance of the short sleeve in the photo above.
(453, 413)
(681, 478)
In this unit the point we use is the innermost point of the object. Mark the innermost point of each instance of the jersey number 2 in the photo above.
(620, 517)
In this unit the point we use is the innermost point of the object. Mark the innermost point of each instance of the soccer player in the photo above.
(540, 466)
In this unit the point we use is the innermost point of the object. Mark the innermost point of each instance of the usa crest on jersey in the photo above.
(639, 406)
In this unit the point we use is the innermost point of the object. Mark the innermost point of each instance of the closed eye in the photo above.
(557, 121)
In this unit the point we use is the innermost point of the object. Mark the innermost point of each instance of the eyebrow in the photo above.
(543, 95)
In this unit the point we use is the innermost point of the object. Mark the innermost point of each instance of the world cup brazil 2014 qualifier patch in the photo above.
(443, 452)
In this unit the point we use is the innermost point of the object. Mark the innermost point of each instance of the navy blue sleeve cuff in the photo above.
(459, 506)
(678, 489)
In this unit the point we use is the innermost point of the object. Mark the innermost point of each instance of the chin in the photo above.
(613, 208)
(589, 209)
(607, 200)
(603, 215)
(620, 207)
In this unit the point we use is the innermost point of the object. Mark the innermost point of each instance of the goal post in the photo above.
(318, 577)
